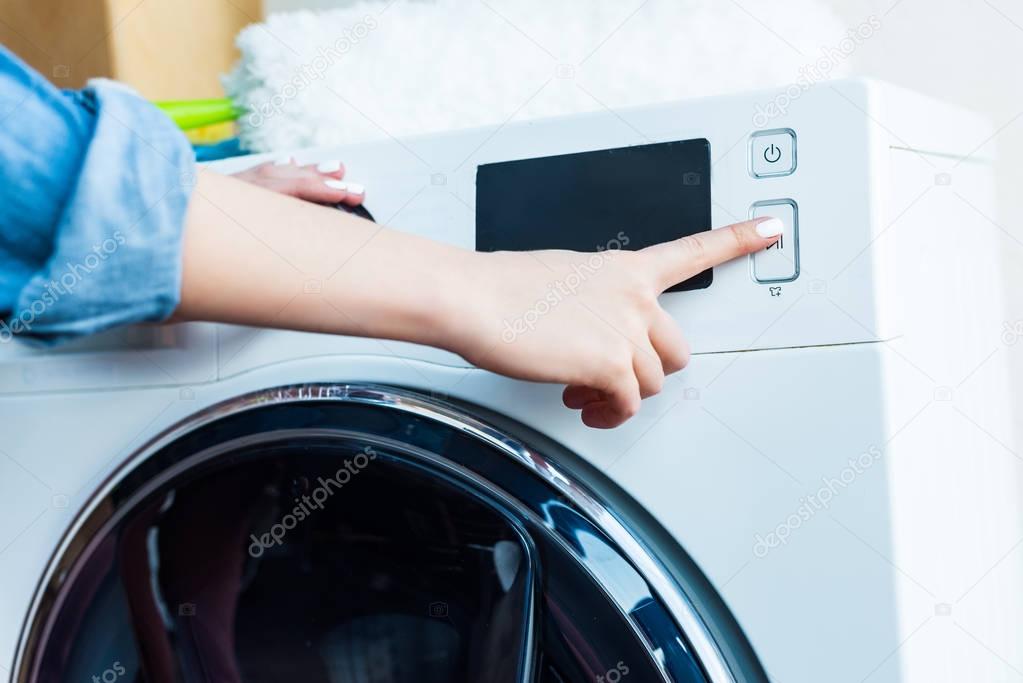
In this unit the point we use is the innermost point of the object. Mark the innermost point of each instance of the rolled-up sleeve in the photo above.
(93, 198)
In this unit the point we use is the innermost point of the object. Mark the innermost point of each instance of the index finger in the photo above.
(679, 260)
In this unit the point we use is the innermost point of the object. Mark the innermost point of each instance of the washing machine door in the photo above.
(362, 534)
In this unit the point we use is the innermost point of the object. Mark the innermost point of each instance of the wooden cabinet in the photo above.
(166, 49)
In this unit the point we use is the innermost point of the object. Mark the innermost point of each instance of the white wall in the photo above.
(969, 52)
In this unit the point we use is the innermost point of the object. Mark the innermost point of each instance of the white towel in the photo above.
(380, 69)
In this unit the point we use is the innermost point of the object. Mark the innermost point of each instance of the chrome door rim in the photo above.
(673, 596)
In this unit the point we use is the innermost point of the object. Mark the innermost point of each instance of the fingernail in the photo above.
(332, 166)
(772, 227)
(336, 184)
(283, 161)
(356, 188)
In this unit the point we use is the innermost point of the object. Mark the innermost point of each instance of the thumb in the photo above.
(678, 260)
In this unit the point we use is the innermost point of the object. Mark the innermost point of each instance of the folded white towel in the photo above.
(380, 69)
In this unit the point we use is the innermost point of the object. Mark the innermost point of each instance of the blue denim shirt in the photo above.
(94, 185)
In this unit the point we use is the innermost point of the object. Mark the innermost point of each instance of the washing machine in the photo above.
(829, 492)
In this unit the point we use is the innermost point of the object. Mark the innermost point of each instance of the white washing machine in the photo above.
(830, 492)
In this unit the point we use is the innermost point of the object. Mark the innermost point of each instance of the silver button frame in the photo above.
(774, 131)
(795, 239)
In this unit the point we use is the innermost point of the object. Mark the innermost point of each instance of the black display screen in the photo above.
(630, 198)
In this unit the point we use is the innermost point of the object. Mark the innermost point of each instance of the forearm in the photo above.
(255, 257)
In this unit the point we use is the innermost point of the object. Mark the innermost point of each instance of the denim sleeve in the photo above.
(94, 185)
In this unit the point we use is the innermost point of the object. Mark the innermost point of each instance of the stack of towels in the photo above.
(380, 69)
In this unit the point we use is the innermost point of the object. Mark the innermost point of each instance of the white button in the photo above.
(772, 153)
(780, 261)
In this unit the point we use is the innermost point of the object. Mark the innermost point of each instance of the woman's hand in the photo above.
(321, 183)
(590, 321)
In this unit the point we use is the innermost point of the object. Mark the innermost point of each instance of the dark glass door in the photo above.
(346, 542)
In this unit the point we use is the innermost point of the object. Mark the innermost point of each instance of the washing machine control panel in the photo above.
(633, 176)
(814, 163)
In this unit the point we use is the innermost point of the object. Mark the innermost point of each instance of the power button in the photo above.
(772, 153)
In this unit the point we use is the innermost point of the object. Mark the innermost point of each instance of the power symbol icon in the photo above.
(772, 153)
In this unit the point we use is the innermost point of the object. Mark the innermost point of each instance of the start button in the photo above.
(780, 261)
